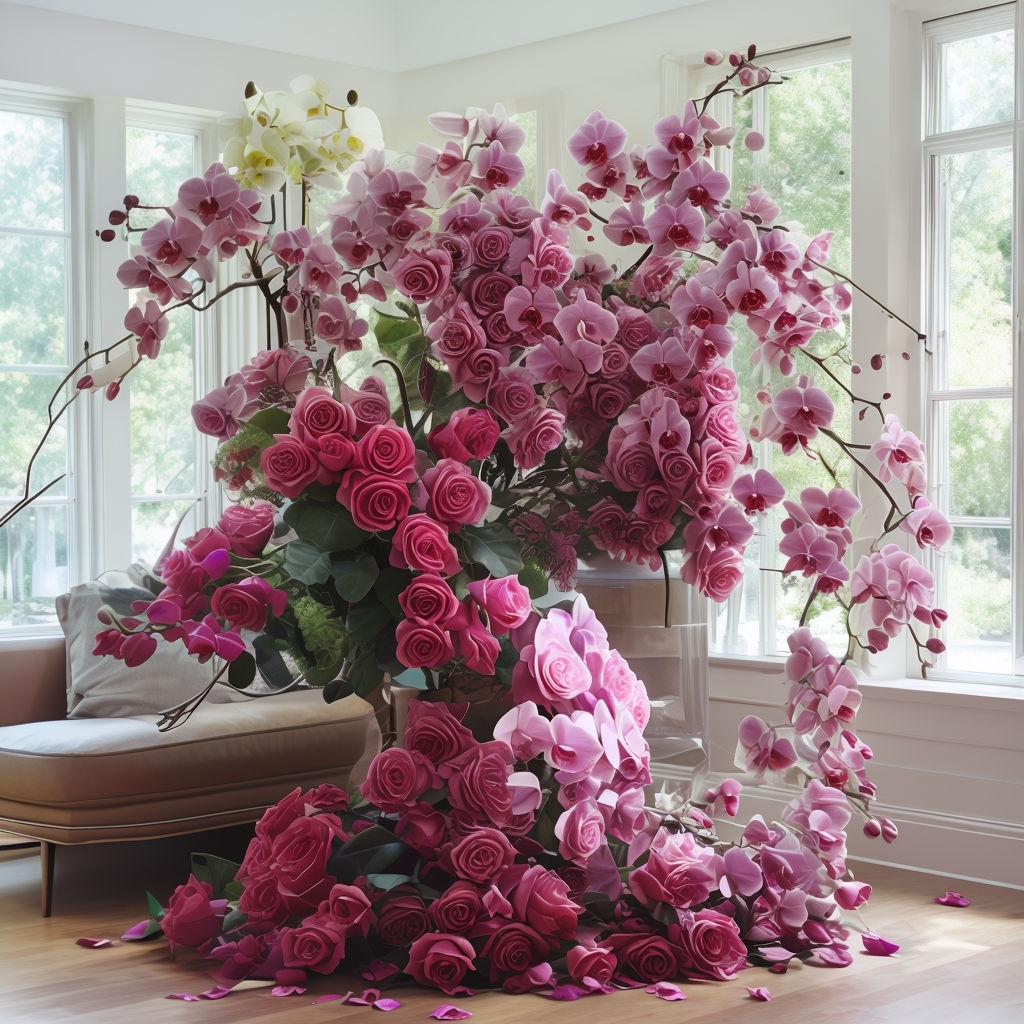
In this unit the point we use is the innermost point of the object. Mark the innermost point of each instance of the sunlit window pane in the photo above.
(33, 565)
(978, 435)
(32, 172)
(33, 299)
(977, 81)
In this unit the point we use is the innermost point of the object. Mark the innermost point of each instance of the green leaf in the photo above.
(355, 577)
(306, 562)
(270, 421)
(535, 579)
(242, 671)
(217, 871)
(495, 547)
(366, 620)
(155, 907)
(390, 583)
(328, 527)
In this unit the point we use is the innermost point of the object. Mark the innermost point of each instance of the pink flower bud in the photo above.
(872, 828)
(713, 58)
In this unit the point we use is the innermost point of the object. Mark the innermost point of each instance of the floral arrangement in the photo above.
(532, 403)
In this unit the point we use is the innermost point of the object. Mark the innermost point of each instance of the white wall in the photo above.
(949, 763)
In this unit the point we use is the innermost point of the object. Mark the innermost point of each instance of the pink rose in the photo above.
(457, 909)
(349, 907)
(505, 601)
(422, 828)
(541, 900)
(239, 960)
(440, 960)
(468, 434)
(478, 783)
(318, 412)
(423, 275)
(716, 571)
(263, 905)
(326, 796)
(455, 496)
(396, 779)
(423, 644)
(316, 945)
(246, 604)
(580, 831)
(193, 917)
(205, 541)
(534, 435)
(388, 449)
(298, 861)
(376, 502)
(288, 465)
(481, 855)
(710, 945)
(279, 816)
(595, 962)
(715, 467)
(422, 543)
(247, 527)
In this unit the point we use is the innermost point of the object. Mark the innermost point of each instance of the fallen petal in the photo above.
(187, 996)
(330, 998)
(953, 899)
(378, 970)
(666, 990)
(95, 943)
(568, 992)
(386, 1004)
(877, 946)
(143, 930)
(217, 992)
(760, 993)
(287, 990)
(449, 1012)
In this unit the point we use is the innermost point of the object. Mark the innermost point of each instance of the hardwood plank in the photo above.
(954, 965)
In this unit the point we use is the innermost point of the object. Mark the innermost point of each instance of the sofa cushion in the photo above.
(104, 687)
(81, 780)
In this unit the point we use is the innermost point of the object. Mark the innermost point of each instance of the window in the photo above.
(808, 173)
(973, 140)
(128, 469)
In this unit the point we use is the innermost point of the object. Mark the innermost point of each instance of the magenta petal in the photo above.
(94, 943)
(567, 992)
(217, 992)
(287, 990)
(953, 899)
(446, 1011)
(143, 930)
(759, 993)
(386, 1004)
(666, 990)
(187, 996)
(877, 946)
(331, 998)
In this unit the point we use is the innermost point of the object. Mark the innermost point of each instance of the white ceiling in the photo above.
(389, 35)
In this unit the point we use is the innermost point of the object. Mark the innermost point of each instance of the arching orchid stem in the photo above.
(402, 390)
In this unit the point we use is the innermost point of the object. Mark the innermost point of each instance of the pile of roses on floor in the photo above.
(525, 861)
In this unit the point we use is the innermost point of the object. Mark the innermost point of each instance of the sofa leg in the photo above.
(47, 857)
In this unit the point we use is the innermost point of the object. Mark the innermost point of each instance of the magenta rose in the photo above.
(247, 527)
(429, 597)
(478, 783)
(512, 395)
(315, 945)
(401, 917)
(456, 496)
(205, 541)
(481, 855)
(422, 644)
(193, 917)
(423, 828)
(376, 502)
(457, 909)
(644, 957)
(710, 945)
(716, 466)
(239, 960)
(596, 962)
(262, 904)
(246, 604)
(505, 601)
(718, 571)
(388, 449)
(440, 960)
(335, 453)
(299, 858)
(469, 434)
(435, 731)
(423, 276)
(422, 543)
(580, 831)
(349, 909)
(279, 816)
(396, 779)
(541, 900)
(514, 948)
(288, 465)
(326, 796)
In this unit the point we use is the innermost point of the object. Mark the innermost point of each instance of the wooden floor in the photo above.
(955, 964)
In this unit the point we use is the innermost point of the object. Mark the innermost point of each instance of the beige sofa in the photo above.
(65, 781)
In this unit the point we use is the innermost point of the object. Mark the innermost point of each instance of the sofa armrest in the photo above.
(33, 679)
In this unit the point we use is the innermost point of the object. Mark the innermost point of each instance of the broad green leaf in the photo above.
(536, 581)
(366, 620)
(329, 527)
(390, 583)
(355, 577)
(271, 421)
(306, 562)
(387, 881)
(155, 907)
(217, 871)
(495, 547)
